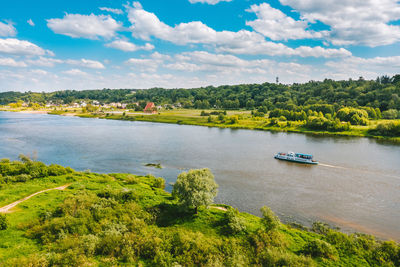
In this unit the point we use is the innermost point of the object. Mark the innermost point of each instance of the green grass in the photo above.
(167, 219)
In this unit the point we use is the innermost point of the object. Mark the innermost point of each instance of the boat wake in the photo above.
(332, 166)
(359, 170)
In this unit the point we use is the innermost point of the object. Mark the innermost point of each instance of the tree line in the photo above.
(382, 93)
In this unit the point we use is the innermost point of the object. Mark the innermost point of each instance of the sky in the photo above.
(48, 45)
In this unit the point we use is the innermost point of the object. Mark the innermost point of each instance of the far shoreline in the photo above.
(196, 121)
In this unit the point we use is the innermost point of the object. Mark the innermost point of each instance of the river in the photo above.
(356, 187)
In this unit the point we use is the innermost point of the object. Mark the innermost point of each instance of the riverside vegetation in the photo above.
(353, 108)
(129, 220)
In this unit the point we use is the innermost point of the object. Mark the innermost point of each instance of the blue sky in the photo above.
(52, 45)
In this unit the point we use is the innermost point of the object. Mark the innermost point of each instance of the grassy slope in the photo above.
(14, 243)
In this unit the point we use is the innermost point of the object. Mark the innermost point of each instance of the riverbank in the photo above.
(125, 219)
(234, 119)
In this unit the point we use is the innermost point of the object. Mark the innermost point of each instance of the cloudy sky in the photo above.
(47, 45)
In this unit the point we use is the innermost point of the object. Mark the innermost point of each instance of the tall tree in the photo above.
(195, 188)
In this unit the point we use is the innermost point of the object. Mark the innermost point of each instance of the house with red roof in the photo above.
(150, 108)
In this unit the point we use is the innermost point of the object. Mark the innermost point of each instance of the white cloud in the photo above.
(146, 24)
(75, 72)
(211, 2)
(146, 65)
(39, 72)
(356, 22)
(7, 29)
(86, 63)
(128, 46)
(85, 26)
(20, 47)
(44, 62)
(10, 62)
(276, 25)
(112, 10)
(30, 22)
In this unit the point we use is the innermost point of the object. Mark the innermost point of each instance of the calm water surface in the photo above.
(356, 186)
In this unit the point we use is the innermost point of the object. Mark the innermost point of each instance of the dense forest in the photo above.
(129, 220)
(383, 93)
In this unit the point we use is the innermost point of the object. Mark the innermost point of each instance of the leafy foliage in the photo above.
(195, 188)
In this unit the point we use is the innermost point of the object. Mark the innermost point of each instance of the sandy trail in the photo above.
(6, 209)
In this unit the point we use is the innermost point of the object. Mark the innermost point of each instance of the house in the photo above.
(150, 108)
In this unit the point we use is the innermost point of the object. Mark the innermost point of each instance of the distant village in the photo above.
(96, 105)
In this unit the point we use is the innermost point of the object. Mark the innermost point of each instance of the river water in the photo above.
(356, 187)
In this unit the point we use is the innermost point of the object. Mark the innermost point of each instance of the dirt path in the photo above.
(219, 208)
(6, 209)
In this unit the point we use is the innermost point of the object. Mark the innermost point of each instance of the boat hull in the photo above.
(295, 160)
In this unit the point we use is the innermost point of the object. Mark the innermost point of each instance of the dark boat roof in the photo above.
(304, 154)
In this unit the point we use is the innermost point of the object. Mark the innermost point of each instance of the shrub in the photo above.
(234, 223)
(320, 228)
(269, 219)
(131, 179)
(277, 257)
(159, 183)
(320, 248)
(387, 129)
(353, 115)
(3, 222)
(390, 114)
(282, 118)
(234, 119)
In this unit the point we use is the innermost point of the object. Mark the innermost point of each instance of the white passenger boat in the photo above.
(296, 157)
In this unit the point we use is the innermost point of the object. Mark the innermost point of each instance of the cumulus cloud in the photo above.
(112, 10)
(10, 62)
(75, 72)
(30, 22)
(44, 62)
(211, 2)
(128, 46)
(86, 63)
(85, 26)
(7, 29)
(20, 47)
(276, 25)
(146, 25)
(144, 65)
(356, 22)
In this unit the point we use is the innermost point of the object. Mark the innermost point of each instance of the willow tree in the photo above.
(195, 188)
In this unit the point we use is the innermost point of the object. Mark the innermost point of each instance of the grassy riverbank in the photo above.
(235, 119)
(124, 219)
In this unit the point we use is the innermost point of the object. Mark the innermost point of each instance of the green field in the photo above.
(129, 220)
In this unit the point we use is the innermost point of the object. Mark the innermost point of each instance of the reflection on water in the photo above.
(355, 187)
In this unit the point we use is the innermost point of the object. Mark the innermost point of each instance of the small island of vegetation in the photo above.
(124, 219)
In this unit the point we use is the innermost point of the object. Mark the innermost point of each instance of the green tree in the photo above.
(195, 188)
(269, 219)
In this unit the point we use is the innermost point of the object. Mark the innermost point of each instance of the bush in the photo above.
(387, 129)
(269, 219)
(320, 228)
(320, 248)
(390, 114)
(131, 179)
(3, 222)
(234, 223)
(234, 119)
(277, 257)
(353, 115)
(159, 183)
